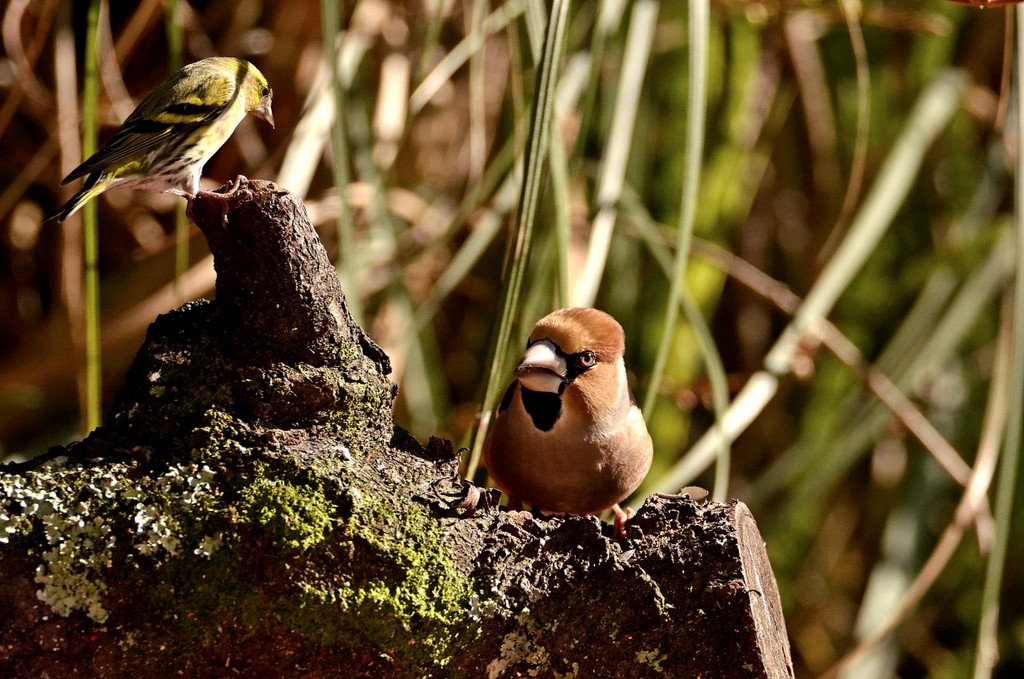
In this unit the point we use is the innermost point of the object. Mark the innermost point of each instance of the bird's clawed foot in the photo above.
(188, 196)
(221, 197)
(622, 516)
(234, 184)
(515, 511)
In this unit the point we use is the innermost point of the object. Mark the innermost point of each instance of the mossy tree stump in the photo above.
(251, 509)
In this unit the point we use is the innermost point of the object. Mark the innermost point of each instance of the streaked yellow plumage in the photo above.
(164, 144)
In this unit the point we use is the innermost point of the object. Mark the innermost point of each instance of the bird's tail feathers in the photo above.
(90, 190)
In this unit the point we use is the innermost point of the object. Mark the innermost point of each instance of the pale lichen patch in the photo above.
(76, 532)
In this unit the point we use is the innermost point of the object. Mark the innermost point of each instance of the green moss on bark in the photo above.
(295, 517)
(259, 533)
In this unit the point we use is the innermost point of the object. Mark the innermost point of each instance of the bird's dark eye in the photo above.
(265, 92)
(586, 359)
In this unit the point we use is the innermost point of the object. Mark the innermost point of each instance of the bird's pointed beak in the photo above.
(542, 368)
(263, 112)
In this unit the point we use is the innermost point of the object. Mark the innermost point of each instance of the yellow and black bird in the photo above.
(164, 144)
(568, 438)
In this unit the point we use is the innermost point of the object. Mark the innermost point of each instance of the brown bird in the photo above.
(568, 438)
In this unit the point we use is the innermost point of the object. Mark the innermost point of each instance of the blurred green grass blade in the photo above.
(640, 37)
(966, 309)
(348, 259)
(175, 58)
(522, 236)
(805, 490)
(918, 325)
(719, 389)
(432, 35)
(505, 167)
(175, 39)
(988, 648)
(609, 17)
(477, 88)
(418, 354)
(648, 233)
(933, 110)
(699, 40)
(970, 510)
(422, 377)
(562, 227)
(460, 54)
(536, 18)
(927, 339)
(503, 201)
(484, 231)
(699, 28)
(893, 573)
(575, 78)
(312, 132)
(935, 325)
(692, 156)
(930, 115)
(90, 135)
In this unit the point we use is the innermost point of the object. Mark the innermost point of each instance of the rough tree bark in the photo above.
(250, 509)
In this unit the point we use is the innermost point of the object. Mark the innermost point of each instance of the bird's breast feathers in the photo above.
(568, 436)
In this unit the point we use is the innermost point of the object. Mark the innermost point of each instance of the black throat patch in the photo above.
(543, 406)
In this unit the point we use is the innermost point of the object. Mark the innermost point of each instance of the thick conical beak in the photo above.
(264, 113)
(542, 368)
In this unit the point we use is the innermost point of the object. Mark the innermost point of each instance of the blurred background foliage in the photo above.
(807, 103)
